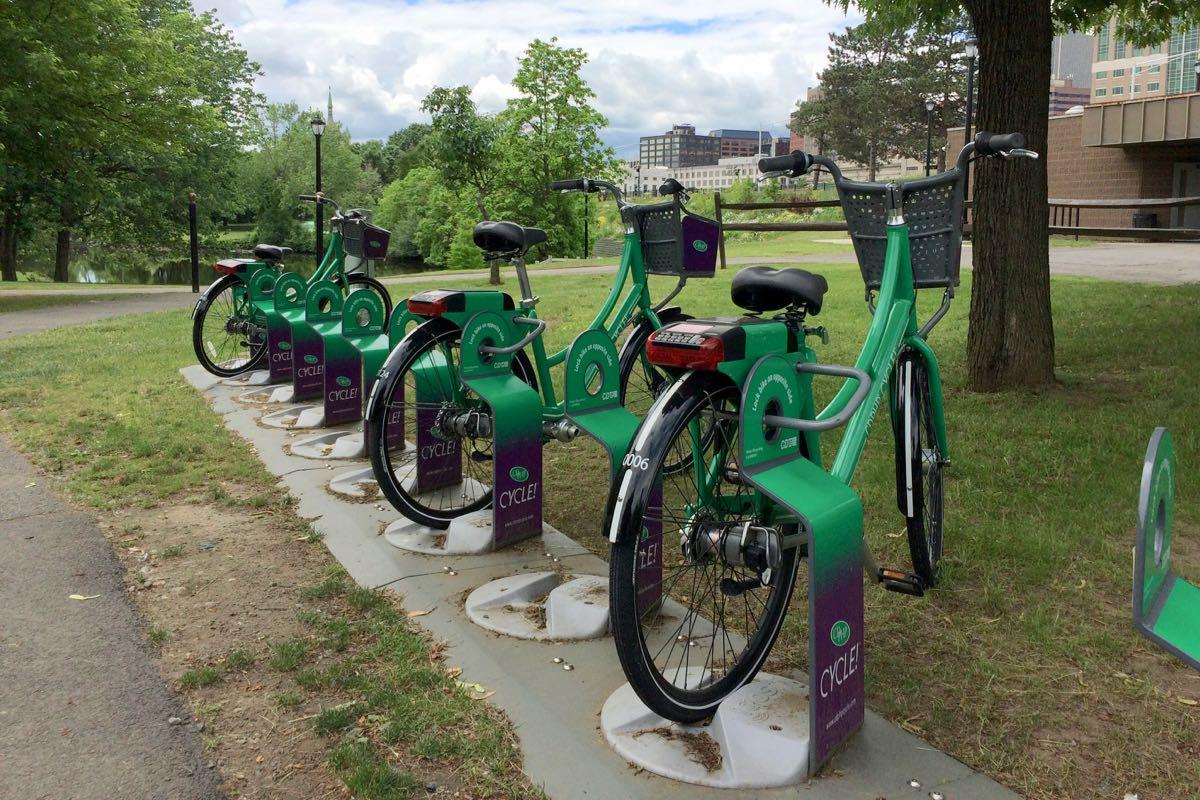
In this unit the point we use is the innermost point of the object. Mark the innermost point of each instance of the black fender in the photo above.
(639, 469)
(214, 289)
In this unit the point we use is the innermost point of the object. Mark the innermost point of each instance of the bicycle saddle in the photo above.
(765, 289)
(506, 237)
(271, 252)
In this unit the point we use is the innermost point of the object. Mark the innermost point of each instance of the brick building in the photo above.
(1139, 149)
(679, 147)
(741, 143)
(1065, 95)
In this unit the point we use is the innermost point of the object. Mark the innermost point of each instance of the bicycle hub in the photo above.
(737, 544)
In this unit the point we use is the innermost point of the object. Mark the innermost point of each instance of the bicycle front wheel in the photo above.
(919, 462)
(699, 624)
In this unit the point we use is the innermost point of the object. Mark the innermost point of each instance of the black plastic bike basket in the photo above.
(933, 211)
(675, 242)
(361, 239)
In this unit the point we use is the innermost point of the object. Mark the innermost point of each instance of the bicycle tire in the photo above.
(358, 279)
(392, 479)
(220, 359)
(919, 491)
(629, 506)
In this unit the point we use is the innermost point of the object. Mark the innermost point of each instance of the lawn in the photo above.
(1023, 664)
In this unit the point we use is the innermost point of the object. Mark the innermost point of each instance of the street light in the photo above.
(318, 128)
(928, 136)
(971, 48)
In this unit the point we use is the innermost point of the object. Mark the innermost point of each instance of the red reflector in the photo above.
(427, 308)
(705, 357)
(228, 266)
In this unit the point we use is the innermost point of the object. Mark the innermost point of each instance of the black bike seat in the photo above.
(506, 237)
(271, 252)
(766, 289)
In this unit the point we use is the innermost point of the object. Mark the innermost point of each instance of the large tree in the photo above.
(1010, 341)
(109, 125)
(871, 103)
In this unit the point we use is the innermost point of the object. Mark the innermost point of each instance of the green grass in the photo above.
(238, 660)
(1021, 647)
(287, 655)
(199, 678)
(369, 777)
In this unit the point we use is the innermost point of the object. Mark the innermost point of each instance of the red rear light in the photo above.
(228, 266)
(427, 307)
(706, 356)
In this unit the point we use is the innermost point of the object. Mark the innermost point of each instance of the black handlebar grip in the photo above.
(670, 186)
(795, 163)
(573, 185)
(990, 144)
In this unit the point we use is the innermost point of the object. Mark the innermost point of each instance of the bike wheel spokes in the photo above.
(229, 338)
(712, 606)
(440, 466)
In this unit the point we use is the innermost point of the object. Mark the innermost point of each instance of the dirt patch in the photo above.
(699, 747)
(211, 580)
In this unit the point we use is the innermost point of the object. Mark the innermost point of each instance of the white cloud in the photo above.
(713, 64)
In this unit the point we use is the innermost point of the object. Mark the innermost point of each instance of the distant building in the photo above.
(1071, 58)
(739, 143)
(781, 145)
(642, 180)
(679, 147)
(1065, 95)
(1122, 72)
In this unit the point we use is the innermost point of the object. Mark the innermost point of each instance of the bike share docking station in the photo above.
(490, 339)
(1166, 608)
(774, 731)
(543, 605)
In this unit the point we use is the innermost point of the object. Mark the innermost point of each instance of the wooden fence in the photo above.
(1064, 218)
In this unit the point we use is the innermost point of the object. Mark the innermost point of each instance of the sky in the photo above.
(711, 63)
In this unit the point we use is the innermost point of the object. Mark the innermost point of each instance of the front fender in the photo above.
(640, 468)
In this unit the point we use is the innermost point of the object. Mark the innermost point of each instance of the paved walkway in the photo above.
(83, 708)
(17, 323)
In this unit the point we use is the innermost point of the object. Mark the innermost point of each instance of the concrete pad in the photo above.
(311, 417)
(283, 394)
(758, 739)
(356, 484)
(257, 377)
(331, 445)
(288, 418)
(199, 377)
(257, 397)
(542, 606)
(554, 710)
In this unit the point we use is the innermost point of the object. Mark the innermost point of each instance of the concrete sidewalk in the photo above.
(83, 709)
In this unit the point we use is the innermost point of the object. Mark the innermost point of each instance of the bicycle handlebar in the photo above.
(321, 199)
(588, 185)
(797, 162)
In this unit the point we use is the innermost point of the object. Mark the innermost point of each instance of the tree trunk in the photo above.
(62, 255)
(871, 163)
(493, 264)
(8, 247)
(1010, 339)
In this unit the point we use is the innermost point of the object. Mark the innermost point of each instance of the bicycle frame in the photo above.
(626, 303)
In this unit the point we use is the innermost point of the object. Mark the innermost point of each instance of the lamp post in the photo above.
(971, 48)
(928, 136)
(637, 186)
(318, 128)
(1196, 67)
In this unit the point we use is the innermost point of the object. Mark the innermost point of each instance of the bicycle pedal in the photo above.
(903, 582)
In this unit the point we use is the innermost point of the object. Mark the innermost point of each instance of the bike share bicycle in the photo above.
(229, 335)
(421, 386)
(756, 500)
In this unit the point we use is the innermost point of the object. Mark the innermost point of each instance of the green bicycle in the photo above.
(419, 387)
(732, 532)
(228, 336)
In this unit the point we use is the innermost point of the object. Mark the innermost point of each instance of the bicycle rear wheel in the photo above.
(357, 280)
(419, 396)
(717, 615)
(919, 462)
(226, 337)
